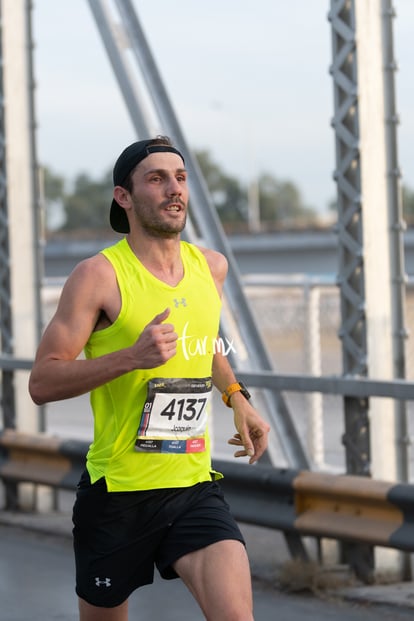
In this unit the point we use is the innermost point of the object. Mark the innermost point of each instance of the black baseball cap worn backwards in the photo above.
(129, 158)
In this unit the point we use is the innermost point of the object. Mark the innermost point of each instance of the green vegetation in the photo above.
(85, 206)
(270, 205)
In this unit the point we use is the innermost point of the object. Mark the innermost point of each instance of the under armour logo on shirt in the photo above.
(103, 582)
(177, 303)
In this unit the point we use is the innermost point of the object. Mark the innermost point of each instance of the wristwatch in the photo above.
(230, 390)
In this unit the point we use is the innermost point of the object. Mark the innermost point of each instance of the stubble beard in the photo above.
(165, 230)
(157, 227)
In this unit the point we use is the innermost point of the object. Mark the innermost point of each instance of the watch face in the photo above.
(244, 391)
(235, 387)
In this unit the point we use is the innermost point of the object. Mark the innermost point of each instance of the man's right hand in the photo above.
(156, 344)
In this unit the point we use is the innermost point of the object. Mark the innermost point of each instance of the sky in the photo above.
(248, 79)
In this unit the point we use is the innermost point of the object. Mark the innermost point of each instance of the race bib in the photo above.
(174, 417)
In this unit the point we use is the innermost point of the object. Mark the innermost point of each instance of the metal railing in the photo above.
(299, 503)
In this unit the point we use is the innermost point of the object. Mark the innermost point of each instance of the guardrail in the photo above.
(343, 507)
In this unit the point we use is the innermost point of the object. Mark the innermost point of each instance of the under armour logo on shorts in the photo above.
(103, 582)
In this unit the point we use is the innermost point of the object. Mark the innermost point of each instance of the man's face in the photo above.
(160, 194)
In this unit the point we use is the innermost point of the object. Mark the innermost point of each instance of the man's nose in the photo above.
(174, 187)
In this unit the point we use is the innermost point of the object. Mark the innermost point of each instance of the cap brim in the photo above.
(118, 218)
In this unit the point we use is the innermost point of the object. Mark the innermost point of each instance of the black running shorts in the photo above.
(120, 536)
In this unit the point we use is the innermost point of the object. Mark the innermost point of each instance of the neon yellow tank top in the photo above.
(119, 406)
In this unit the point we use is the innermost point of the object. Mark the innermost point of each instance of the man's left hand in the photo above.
(252, 430)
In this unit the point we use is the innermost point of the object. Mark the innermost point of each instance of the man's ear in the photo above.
(121, 195)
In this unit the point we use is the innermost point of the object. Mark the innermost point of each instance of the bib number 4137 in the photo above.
(184, 409)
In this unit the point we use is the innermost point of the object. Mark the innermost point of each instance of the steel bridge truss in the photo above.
(354, 224)
(351, 278)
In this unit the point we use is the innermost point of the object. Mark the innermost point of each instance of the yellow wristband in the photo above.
(230, 390)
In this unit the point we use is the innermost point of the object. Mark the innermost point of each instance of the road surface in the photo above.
(37, 583)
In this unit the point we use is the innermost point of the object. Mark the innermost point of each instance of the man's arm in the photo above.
(57, 372)
(252, 430)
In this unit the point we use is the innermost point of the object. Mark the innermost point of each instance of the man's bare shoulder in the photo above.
(90, 290)
(217, 263)
(92, 279)
(95, 268)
